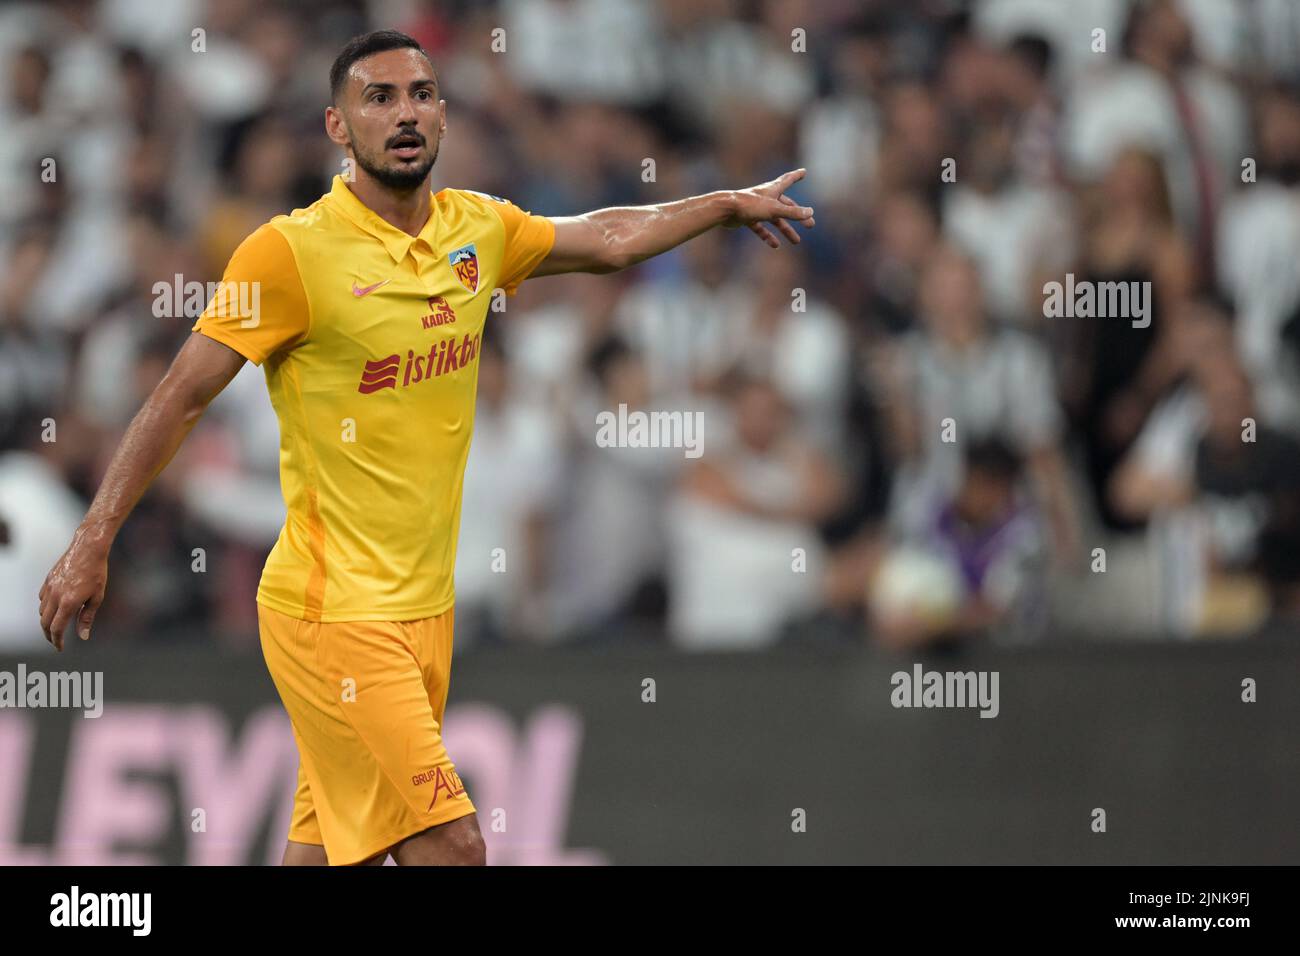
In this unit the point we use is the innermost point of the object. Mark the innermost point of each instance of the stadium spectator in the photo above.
(966, 565)
(745, 555)
(961, 379)
(1213, 476)
(511, 480)
(137, 151)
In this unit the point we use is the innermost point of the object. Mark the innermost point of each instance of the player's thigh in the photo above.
(375, 765)
(304, 827)
(303, 854)
(389, 712)
(456, 843)
(309, 854)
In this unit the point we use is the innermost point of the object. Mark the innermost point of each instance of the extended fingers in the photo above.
(787, 180)
(87, 617)
(807, 223)
(767, 236)
(763, 233)
(49, 611)
(62, 617)
(781, 212)
(787, 208)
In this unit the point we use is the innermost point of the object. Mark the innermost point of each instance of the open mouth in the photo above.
(407, 146)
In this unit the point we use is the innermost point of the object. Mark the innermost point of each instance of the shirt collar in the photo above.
(396, 242)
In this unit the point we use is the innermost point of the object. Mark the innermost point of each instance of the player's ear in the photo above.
(442, 116)
(335, 128)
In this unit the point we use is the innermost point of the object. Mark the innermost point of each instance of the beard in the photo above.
(395, 175)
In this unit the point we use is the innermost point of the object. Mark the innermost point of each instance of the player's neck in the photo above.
(408, 210)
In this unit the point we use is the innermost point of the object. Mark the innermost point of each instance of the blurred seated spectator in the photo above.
(1259, 239)
(745, 554)
(968, 565)
(906, 231)
(511, 480)
(1028, 61)
(38, 515)
(805, 353)
(679, 323)
(1213, 478)
(1114, 372)
(608, 557)
(962, 380)
(1016, 232)
(34, 362)
(1162, 98)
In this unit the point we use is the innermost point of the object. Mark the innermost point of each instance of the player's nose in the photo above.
(406, 114)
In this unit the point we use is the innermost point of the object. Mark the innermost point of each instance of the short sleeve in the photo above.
(260, 307)
(529, 240)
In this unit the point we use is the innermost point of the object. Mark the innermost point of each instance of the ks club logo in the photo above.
(464, 262)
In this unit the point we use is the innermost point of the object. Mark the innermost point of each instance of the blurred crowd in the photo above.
(900, 445)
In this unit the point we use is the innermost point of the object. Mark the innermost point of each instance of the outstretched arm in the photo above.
(75, 586)
(611, 239)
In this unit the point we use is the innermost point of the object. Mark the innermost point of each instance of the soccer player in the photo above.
(366, 312)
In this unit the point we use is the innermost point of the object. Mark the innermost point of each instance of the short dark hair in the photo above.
(1035, 51)
(995, 457)
(368, 44)
(604, 354)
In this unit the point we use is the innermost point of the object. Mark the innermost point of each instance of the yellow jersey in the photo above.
(369, 338)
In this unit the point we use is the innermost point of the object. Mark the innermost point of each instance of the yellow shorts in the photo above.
(366, 700)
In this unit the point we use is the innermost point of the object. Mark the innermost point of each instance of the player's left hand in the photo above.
(769, 204)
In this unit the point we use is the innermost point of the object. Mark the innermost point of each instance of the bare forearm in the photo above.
(632, 234)
(611, 239)
(76, 584)
(201, 370)
(149, 444)
(1137, 494)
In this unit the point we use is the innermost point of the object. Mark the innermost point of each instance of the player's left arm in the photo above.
(608, 240)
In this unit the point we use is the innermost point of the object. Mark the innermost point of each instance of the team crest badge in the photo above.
(464, 262)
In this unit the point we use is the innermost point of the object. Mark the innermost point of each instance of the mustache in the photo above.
(405, 136)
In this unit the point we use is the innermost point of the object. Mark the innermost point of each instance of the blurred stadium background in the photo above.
(1098, 511)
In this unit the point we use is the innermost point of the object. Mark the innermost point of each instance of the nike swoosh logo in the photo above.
(359, 292)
